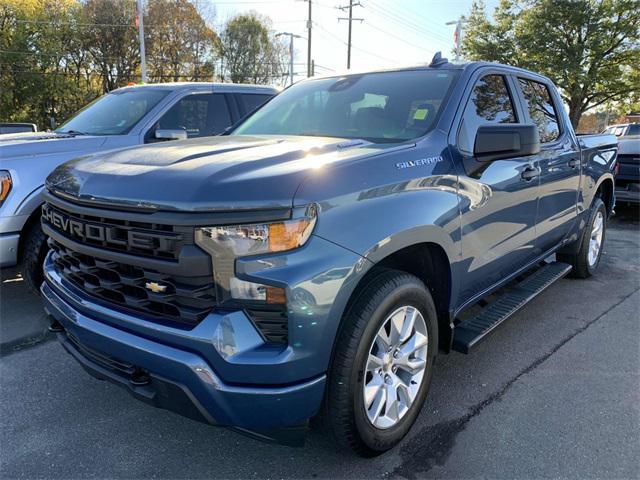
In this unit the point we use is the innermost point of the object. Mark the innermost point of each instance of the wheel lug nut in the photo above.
(394, 369)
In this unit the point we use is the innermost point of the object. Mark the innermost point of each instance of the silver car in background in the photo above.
(122, 118)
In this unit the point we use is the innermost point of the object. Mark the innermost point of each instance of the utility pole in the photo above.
(143, 58)
(291, 51)
(309, 25)
(350, 19)
(457, 35)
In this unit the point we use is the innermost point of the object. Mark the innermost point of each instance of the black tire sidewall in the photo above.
(410, 292)
(35, 251)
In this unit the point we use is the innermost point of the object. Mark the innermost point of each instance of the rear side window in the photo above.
(490, 103)
(634, 129)
(200, 115)
(541, 109)
(253, 101)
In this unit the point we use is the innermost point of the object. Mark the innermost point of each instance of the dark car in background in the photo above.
(11, 127)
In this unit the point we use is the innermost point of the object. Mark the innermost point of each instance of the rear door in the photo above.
(497, 199)
(558, 160)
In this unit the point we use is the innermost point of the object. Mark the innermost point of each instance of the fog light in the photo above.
(243, 290)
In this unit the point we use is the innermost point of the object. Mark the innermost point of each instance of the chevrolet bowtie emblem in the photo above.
(155, 287)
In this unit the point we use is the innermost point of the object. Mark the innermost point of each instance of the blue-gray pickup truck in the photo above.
(312, 263)
(124, 117)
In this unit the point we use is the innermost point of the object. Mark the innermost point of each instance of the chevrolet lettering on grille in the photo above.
(116, 236)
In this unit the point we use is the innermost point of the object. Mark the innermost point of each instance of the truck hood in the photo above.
(44, 143)
(208, 174)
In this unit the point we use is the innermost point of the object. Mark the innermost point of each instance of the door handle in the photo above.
(530, 173)
(574, 162)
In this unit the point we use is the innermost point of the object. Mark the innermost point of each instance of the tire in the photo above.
(345, 412)
(585, 264)
(35, 250)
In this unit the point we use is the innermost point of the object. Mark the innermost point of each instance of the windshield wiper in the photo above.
(74, 132)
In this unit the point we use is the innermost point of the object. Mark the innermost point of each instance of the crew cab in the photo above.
(124, 117)
(313, 261)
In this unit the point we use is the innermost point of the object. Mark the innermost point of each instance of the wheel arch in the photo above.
(429, 261)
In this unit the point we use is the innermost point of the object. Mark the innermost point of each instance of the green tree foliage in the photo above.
(111, 38)
(589, 48)
(180, 45)
(250, 52)
(58, 55)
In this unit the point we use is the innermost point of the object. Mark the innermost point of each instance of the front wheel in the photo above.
(585, 261)
(35, 250)
(383, 363)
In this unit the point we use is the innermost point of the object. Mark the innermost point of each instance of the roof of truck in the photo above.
(227, 87)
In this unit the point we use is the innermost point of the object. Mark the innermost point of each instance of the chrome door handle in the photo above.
(574, 162)
(530, 173)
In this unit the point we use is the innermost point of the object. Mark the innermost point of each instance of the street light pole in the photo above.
(291, 51)
(143, 58)
(457, 35)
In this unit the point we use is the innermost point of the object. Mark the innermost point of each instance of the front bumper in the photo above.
(9, 249)
(179, 380)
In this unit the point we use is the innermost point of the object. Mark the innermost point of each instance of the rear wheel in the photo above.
(35, 249)
(383, 364)
(585, 261)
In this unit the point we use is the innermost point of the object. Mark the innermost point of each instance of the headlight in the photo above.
(5, 185)
(226, 243)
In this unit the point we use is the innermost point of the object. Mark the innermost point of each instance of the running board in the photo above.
(471, 331)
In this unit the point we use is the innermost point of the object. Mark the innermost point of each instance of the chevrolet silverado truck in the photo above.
(311, 263)
(124, 117)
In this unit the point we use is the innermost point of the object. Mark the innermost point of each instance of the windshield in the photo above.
(115, 113)
(380, 107)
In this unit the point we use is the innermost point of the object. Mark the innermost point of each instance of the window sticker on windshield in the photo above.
(420, 114)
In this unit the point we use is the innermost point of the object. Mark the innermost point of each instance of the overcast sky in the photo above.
(393, 32)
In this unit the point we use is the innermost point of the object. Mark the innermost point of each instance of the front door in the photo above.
(498, 200)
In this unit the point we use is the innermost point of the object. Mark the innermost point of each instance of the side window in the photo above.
(200, 115)
(634, 129)
(253, 101)
(490, 102)
(541, 109)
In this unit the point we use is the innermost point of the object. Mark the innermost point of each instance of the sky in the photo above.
(392, 33)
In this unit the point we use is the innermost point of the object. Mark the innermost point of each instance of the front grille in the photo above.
(181, 300)
(138, 238)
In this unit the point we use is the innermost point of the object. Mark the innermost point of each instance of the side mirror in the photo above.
(166, 134)
(507, 140)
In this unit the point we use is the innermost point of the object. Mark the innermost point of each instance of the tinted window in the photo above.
(254, 100)
(541, 109)
(634, 129)
(200, 115)
(380, 107)
(115, 113)
(489, 103)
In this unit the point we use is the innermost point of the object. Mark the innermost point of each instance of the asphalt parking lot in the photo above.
(555, 392)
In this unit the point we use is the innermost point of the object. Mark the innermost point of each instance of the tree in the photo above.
(589, 48)
(112, 41)
(179, 45)
(250, 51)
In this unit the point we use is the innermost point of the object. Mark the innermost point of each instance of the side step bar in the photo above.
(471, 331)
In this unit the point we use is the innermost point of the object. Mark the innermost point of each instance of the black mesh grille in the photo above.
(182, 300)
(271, 321)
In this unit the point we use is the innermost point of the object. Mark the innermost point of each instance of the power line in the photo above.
(329, 34)
(350, 19)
